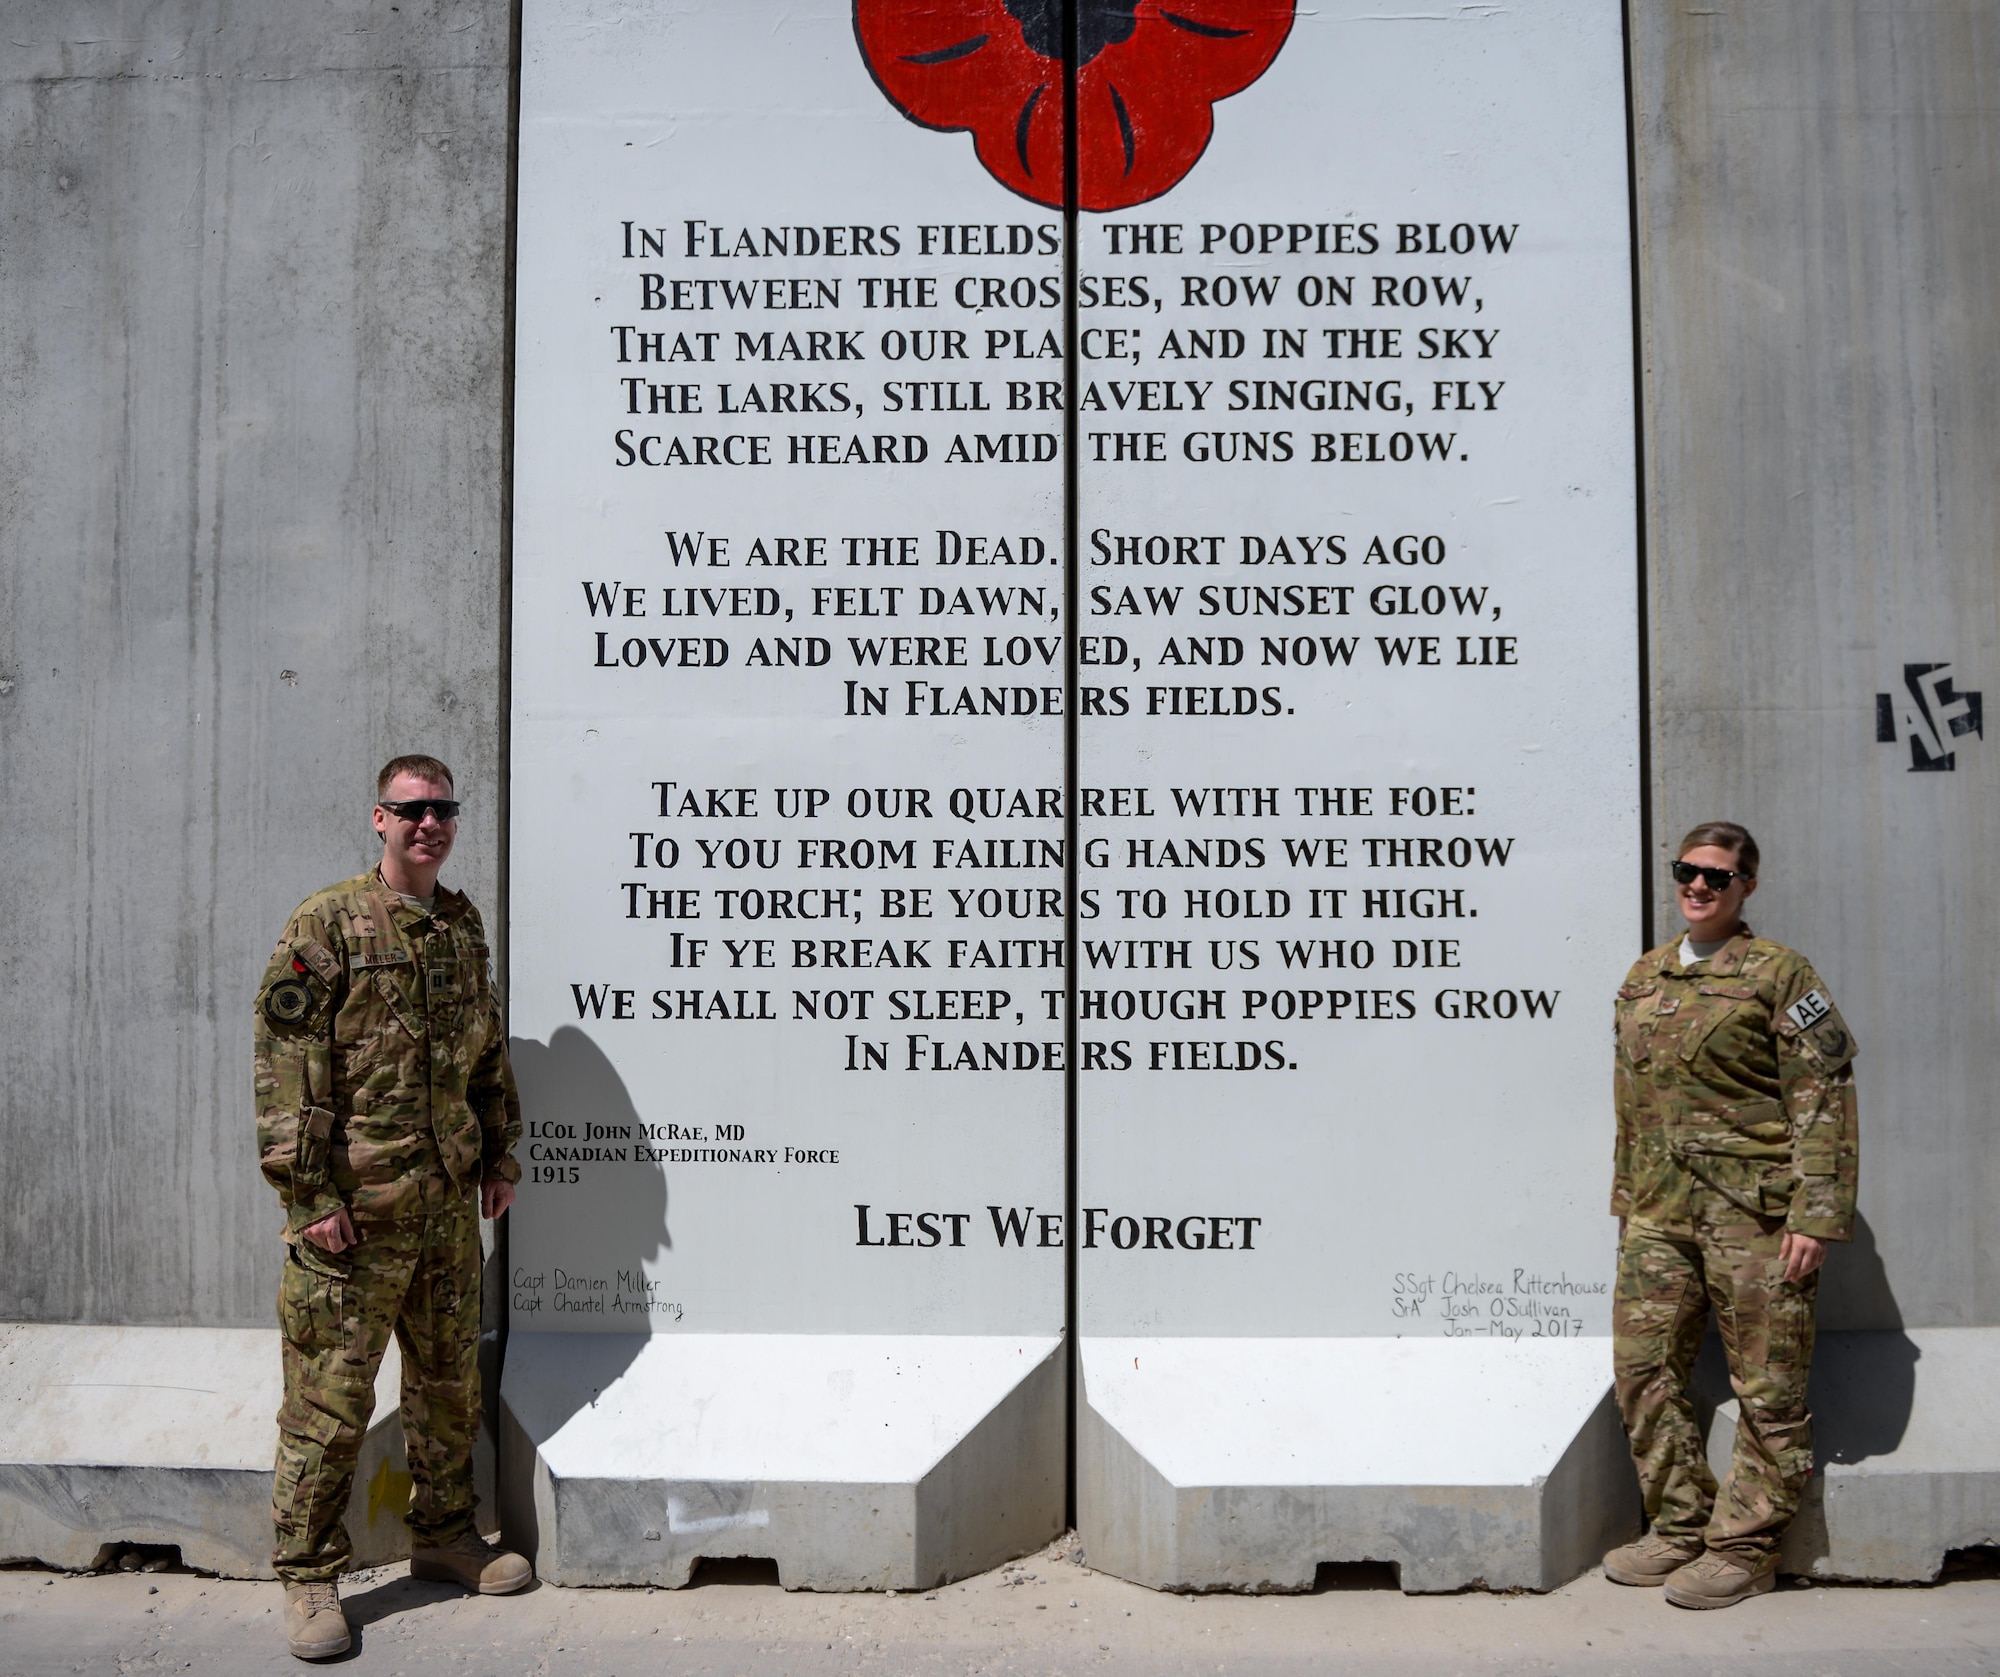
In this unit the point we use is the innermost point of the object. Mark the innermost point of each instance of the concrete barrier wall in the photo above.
(252, 365)
(1820, 286)
(252, 340)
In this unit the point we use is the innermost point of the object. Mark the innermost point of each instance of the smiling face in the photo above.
(413, 851)
(1712, 915)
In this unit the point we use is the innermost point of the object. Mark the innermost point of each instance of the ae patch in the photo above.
(1822, 1030)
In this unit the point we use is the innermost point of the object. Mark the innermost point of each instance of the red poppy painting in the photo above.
(1148, 75)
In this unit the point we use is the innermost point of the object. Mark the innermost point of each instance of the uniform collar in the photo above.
(447, 906)
(1726, 962)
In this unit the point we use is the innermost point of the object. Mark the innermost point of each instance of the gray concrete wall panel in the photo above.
(154, 1435)
(252, 361)
(1820, 286)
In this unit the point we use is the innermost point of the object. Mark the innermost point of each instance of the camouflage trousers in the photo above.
(419, 1279)
(1666, 1287)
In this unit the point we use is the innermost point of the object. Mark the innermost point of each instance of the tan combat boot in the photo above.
(470, 1560)
(315, 1627)
(1647, 1562)
(1722, 1579)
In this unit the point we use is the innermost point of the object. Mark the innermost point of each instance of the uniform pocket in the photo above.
(312, 1297)
(1748, 1184)
(1632, 1016)
(314, 1143)
(1777, 1191)
(303, 1420)
(397, 1000)
(1791, 1326)
(479, 970)
(1714, 1006)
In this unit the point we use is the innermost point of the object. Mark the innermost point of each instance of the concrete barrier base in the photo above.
(1906, 1436)
(166, 1436)
(1243, 1464)
(855, 1462)
(895, 1463)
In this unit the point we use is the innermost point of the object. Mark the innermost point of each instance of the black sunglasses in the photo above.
(446, 809)
(1717, 879)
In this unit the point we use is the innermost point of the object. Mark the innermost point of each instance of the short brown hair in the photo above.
(424, 768)
(1723, 835)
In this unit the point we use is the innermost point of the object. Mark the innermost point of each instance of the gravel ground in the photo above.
(1045, 1615)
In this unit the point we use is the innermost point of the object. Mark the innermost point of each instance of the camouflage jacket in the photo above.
(381, 1065)
(1739, 1071)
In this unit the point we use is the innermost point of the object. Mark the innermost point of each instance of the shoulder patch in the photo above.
(319, 958)
(1833, 1043)
(1816, 1025)
(295, 996)
(287, 1002)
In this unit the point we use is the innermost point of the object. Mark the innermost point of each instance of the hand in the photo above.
(494, 1197)
(332, 1234)
(1802, 1254)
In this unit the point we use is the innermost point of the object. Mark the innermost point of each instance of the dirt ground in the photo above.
(1045, 1615)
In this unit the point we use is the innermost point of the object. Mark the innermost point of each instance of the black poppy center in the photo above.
(1099, 24)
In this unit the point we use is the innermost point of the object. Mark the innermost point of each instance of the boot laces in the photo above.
(1712, 1565)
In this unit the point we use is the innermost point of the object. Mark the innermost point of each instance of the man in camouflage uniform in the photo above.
(1736, 1163)
(386, 1120)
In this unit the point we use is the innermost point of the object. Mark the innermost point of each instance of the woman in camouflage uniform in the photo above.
(1735, 1165)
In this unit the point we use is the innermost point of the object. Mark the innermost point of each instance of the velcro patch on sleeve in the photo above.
(287, 1002)
(294, 999)
(1809, 1009)
(320, 959)
(1832, 1042)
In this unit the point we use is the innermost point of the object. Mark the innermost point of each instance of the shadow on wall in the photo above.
(621, 1219)
(1854, 1294)
(612, 1228)
(1864, 1378)
(569, 1082)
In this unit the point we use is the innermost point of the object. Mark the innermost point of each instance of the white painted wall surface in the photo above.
(759, 116)
(1411, 1173)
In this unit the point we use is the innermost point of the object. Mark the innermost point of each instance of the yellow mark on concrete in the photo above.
(388, 1490)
